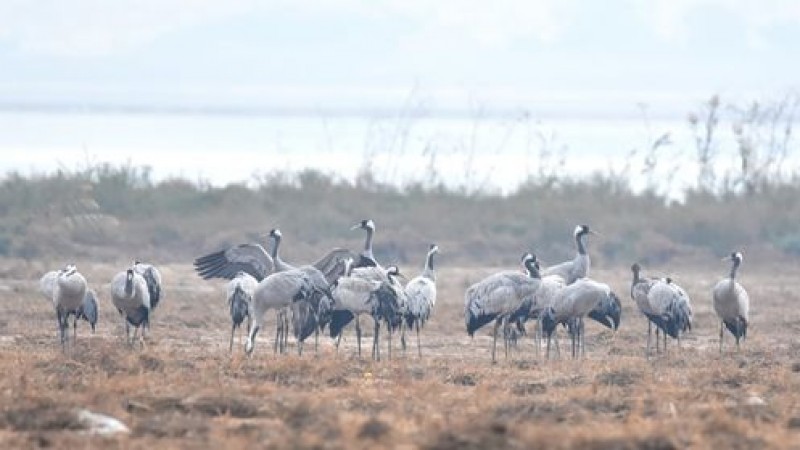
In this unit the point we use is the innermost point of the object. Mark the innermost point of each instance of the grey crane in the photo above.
(341, 318)
(257, 262)
(239, 292)
(87, 310)
(531, 308)
(731, 303)
(131, 296)
(571, 305)
(421, 296)
(665, 304)
(69, 291)
(640, 288)
(308, 312)
(579, 266)
(499, 295)
(277, 291)
(374, 296)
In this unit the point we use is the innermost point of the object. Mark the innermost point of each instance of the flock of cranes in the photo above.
(343, 286)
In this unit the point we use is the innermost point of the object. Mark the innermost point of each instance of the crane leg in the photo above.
(721, 324)
(389, 330)
(494, 340)
(75, 330)
(251, 339)
(358, 335)
(279, 324)
(376, 349)
(419, 347)
(233, 332)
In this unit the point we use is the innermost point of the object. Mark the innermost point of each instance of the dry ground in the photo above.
(186, 391)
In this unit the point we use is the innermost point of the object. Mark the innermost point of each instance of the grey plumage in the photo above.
(339, 318)
(131, 297)
(47, 285)
(373, 295)
(421, 296)
(250, 258)
(579, 266)
(731, 303)
(69, 291)
(277, 291)
(152, 278)
(306, 318)
(88, 310)
(571, 305)
(664, 303)
(239, 293)
(499, 295)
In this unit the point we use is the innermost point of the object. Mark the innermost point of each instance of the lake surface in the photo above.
(471, 152)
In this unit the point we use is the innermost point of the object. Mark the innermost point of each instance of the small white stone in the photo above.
(754, 400)
(100, 423)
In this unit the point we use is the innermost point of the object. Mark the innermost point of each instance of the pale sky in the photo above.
(557, 54)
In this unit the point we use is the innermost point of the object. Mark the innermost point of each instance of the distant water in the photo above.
(494, 153)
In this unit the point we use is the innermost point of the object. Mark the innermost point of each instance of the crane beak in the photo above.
(356, 226)
(595, 233)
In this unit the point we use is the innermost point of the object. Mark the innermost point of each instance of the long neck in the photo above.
(734, 268)
(579, 243)
(533, 272)
(636, 279)
(429, 272)
(368, 244)
(129, 286)
(276, 243)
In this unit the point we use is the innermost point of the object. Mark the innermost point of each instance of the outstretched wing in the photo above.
(332, 264)
(249, 258)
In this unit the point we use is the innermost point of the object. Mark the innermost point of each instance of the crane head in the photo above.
(366, 224)
(69, 269)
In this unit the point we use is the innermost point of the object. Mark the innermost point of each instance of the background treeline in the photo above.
(111, 213)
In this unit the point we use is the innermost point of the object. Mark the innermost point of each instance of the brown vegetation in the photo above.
(185, 391)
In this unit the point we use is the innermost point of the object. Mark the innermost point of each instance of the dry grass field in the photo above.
(184, 390)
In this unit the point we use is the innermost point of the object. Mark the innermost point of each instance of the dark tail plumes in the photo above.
(339, 320)
(475, 322)
(304, 320)
(549, 323)
(737, 327)
(139, 317)
(388, 307)
(239, 306)
(88, 310)
(608, 312)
